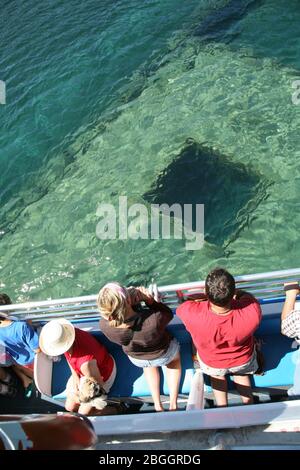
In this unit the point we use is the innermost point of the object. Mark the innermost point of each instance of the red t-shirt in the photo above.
(222, 341)
(85, 349)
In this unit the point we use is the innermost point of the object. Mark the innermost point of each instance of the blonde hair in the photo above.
(112, 302)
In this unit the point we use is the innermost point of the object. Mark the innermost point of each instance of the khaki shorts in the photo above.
(165, 359)
(249, 367)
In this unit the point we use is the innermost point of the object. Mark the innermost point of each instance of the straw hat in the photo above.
(57, 337)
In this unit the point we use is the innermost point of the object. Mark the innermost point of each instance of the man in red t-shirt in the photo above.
(85, 355)
(222, 325)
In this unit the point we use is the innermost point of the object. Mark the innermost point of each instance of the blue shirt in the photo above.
(19, 340)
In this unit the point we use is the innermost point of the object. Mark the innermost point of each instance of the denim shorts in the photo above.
(249, 367)
(163, 360)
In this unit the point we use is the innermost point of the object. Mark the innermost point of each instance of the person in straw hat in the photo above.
(86, 358)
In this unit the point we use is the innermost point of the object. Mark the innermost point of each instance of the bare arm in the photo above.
(75, 377)
(138, 294)
(90, 369)
(290, 299)
(200, 297)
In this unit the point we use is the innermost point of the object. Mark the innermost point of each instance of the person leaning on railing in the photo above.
(222, 327)
(290, 326)
(19, 343)
(142, 333)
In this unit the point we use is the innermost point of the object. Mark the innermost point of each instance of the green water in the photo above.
(191, 103)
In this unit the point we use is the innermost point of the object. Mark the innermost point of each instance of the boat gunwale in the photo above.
(266, 286)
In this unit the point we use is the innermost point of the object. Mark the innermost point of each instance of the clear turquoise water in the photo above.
(103, 97)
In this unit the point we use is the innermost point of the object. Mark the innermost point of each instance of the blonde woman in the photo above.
(142, 334)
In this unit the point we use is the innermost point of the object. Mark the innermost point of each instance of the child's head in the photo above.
(4, 300)
(220, 287)
(113, 300)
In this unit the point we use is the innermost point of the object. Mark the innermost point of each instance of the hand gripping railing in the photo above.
(265, 286)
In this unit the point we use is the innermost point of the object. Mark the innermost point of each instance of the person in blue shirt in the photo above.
(18, 344)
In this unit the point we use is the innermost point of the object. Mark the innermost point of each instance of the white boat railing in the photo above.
(267, 287)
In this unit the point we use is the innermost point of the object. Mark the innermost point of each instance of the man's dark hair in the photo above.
(220, 287)
(5, 299)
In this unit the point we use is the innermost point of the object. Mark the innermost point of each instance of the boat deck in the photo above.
(271, 402)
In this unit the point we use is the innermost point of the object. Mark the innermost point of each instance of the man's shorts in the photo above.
(248, 368)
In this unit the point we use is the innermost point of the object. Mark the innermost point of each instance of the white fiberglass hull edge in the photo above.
(215, 418)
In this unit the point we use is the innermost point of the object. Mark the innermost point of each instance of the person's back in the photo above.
(86, 348)
(143, 335)
(222, 340)
(147, 337)
(19, 339)
(222, 329)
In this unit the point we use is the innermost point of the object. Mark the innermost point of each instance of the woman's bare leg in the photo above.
(24, 374)
(3, 374)
(153, 380)
(173, 378)
(219, 386)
